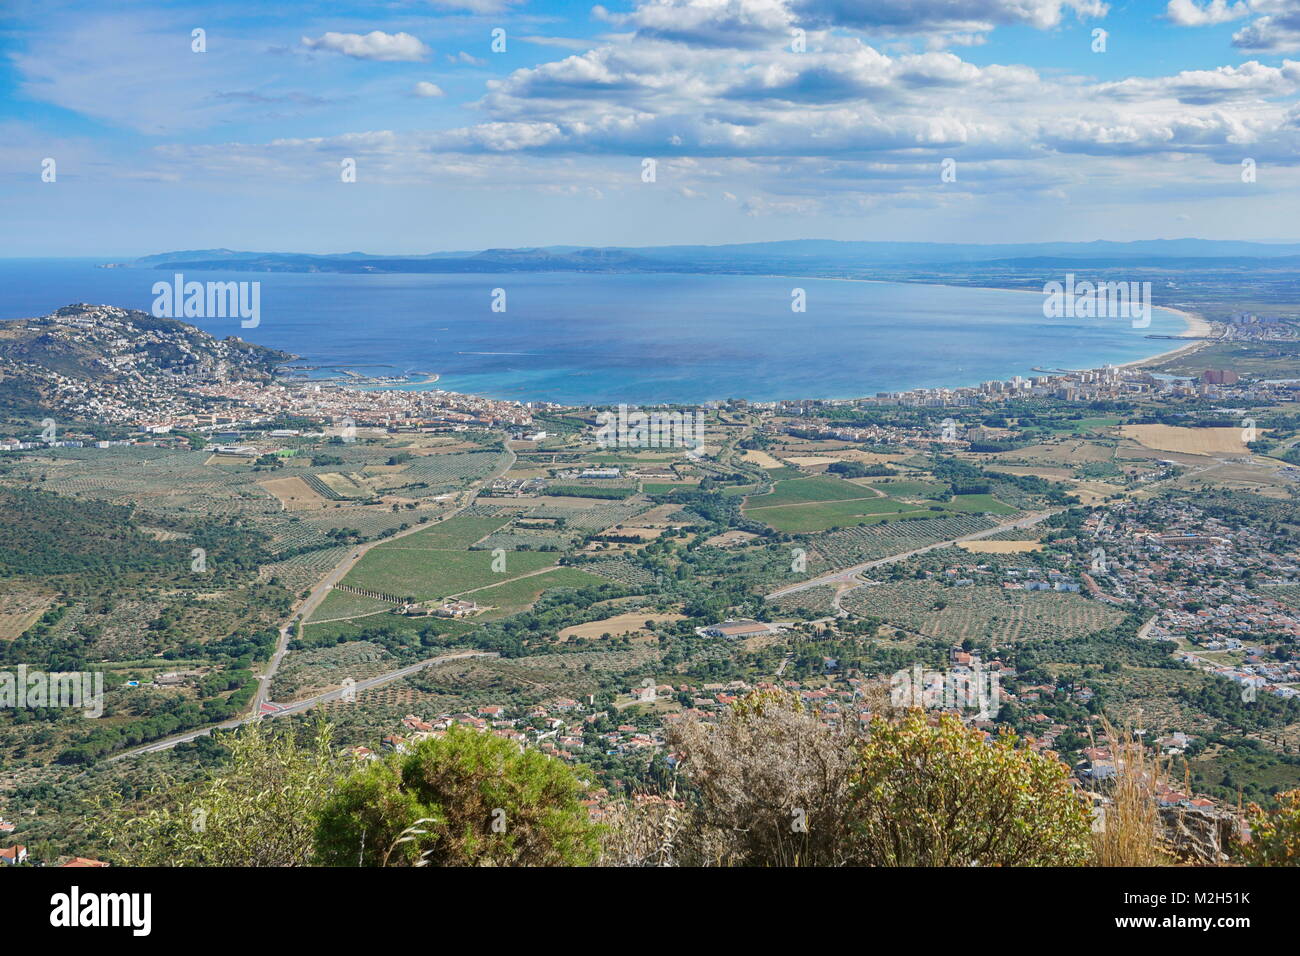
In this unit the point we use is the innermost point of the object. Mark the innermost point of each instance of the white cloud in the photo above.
(946, 16)
(1188, 13)
(757, 24)
(426, 89)
(465, 58)
(1251, 80)
(1276, 32)
(375, 45)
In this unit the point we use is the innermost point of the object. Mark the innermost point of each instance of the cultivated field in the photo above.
(631, 623)
(983, 613)
(1191, 441)
(295, 494)
(426, 574)
(1000, 547)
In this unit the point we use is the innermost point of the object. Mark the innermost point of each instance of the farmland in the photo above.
(982, 613)
(806, 505)
(1190, 441)
(427, 574)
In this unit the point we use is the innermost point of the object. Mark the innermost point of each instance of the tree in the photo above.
(261, 810)
(937, 793)
(465, 799)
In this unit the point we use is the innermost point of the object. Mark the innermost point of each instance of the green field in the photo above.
(907, 489)
(820, 516)
(455, 533)
(514, 596)
(807, 505)
(668, 487)
(342, 604)
(794, 491)
(426, 574)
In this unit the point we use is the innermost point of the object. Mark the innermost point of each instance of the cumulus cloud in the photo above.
(426, 89)
(1251, 80)
(1188, 13)
(755, 24)
(738, 24)
(1276, 32)
(947, 16)
(375, 45)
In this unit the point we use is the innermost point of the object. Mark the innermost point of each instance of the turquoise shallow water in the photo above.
(578, 338)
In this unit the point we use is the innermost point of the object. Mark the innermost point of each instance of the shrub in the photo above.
(937, 793)
(466, 799)
(771, 786)
(1275, 837)
(258, 811)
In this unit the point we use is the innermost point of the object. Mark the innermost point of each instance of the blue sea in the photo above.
(639, 339)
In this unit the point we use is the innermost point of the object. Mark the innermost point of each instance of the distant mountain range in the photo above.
(802, 255)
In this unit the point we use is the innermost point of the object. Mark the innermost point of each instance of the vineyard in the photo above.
(342, 605)
(444, 472)
(597, 517)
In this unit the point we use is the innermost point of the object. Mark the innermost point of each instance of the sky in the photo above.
(474, 124)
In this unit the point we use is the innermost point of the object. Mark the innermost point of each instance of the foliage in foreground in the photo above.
(1275, 837)
(259, 811)
(772, 785)
(937, 793)
(465, 799)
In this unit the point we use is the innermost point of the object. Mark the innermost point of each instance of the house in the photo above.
(13, 855)
(78, 861)
(736, 629)
(458, 609)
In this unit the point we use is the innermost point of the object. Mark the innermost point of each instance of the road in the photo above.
(297, 707)
(849, 575)
(302, 611)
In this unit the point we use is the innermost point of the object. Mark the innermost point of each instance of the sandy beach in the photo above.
(1198, 328)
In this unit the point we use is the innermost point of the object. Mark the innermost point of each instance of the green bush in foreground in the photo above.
(937, 793)
(466, 799)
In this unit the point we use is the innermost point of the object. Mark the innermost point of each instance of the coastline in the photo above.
(1198, 328)
(1197, 325)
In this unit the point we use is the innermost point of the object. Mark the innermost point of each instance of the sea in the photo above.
(578, 338)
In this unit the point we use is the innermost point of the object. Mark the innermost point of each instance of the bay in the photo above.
(579, 338)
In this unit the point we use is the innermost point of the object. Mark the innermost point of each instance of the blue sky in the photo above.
(457, 146)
